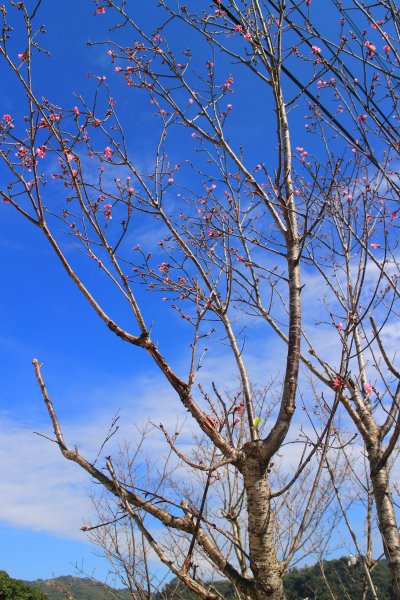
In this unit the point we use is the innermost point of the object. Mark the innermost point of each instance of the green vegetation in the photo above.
(13, 589)
(345, 581)
(78, 588)
(175, 590)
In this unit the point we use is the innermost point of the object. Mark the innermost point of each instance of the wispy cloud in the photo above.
(38, 491)
(41, 491)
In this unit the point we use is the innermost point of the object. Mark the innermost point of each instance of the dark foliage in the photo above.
(13, 589)
(345, 581)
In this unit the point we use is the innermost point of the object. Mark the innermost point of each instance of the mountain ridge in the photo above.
(339, 578)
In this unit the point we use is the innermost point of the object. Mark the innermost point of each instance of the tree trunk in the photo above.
(387, 525)
(264, 563)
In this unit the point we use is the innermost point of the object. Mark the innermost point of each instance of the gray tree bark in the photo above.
(387, 524)
(264, 563)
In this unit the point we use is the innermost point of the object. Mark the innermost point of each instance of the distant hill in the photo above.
(78, 588)
(345, 580)
(344, 577)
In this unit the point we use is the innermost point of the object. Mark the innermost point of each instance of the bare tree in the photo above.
(302, 519)
(354, 246)
(252, 232)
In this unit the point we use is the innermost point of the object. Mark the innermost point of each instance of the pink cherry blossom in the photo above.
(316, 49)
(240, 409)
(339, 326)
(41, 151)
(171, 180)
(228, 82)
(100, 11)
(76, 110)
(247, 36)
(368, 388)
(164, 268)
(374, 246)
(338, 383)
(108, 152)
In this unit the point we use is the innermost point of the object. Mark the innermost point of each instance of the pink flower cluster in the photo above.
(164, 268)
(41, 151)
(8, 120)
(303, 153)
(228, 82)
(338, 383)
(370, 48)
(24, 156)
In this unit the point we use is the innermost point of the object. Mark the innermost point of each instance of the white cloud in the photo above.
(39, 491)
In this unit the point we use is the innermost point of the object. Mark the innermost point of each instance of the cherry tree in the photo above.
(244, 231)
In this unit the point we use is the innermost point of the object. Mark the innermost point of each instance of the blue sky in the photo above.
(43, 315)
(90, 373)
